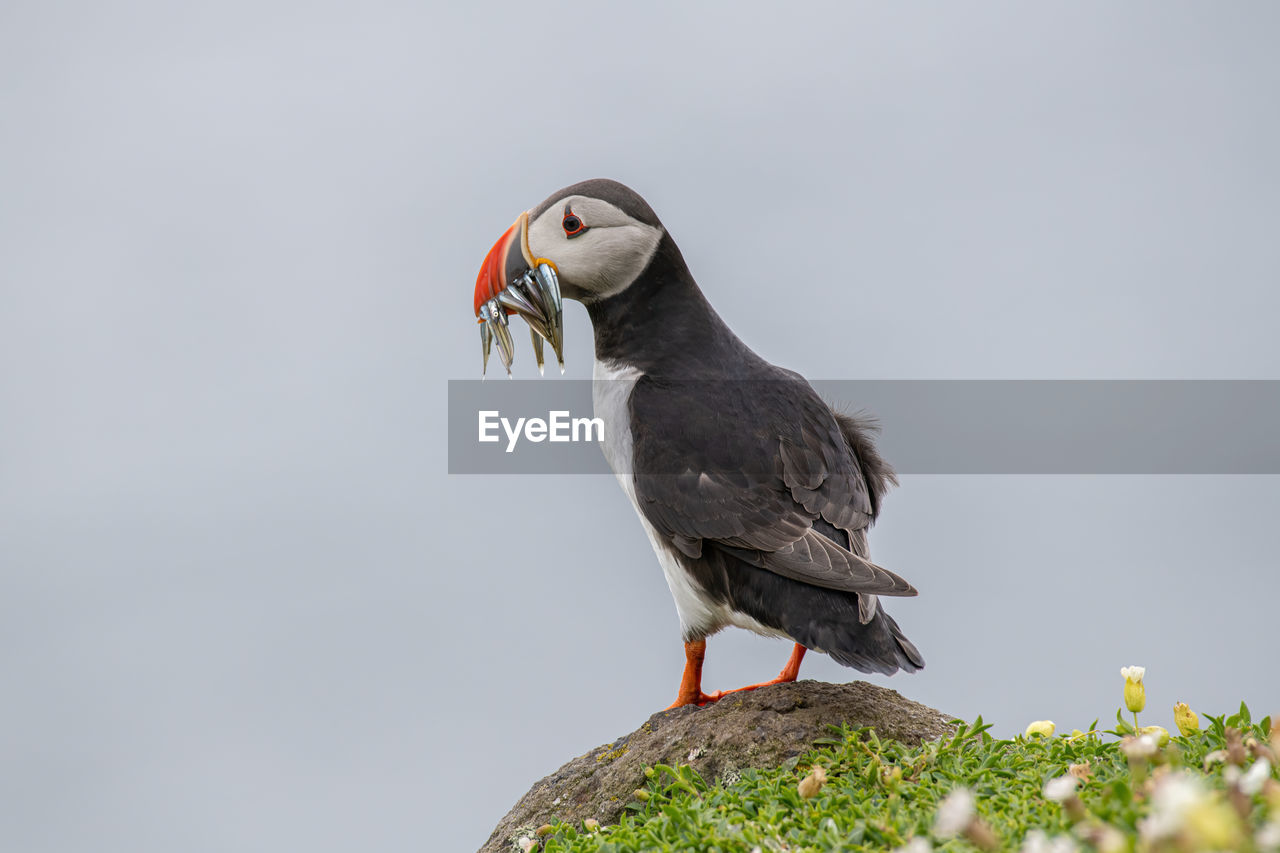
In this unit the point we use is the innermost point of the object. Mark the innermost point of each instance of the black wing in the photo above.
(749, 467)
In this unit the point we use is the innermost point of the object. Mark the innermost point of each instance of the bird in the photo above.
(756, 495)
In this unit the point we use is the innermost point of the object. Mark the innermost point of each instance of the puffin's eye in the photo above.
(573, 226)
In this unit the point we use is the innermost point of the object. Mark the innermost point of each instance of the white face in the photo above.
(600, 261)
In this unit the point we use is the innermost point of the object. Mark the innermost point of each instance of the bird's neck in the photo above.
(663, 325)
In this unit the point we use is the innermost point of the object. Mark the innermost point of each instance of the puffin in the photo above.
(756, 495)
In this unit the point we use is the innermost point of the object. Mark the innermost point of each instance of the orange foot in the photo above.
(691, 683)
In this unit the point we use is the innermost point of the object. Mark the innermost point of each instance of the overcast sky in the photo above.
(242, 604)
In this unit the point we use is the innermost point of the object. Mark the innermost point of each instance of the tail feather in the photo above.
(824, 620)
(877, 646)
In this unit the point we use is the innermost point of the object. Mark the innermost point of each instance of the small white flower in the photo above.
(955, 813)
(1133, 673)
(916, 845)
(1111, 840)
(1059, 789)
(1135, 695)
(1178, 792)
(1038, 842)
(1175, 795)
(1035, 842)
(1268, 837)
(1143, 746)
(1252, 782)
(1155, 827)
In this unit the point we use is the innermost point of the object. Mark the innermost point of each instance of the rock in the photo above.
(760, 728)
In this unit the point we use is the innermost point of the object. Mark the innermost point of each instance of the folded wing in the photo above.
(761, 470)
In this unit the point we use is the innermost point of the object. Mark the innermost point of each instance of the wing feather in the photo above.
(749, 468)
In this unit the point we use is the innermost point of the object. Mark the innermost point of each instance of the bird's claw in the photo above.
(699, 698)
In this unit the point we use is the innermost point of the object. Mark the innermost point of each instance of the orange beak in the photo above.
(492, 279)
(512, 281)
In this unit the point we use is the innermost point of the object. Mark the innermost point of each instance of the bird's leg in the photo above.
(789, 673)
(691, 682)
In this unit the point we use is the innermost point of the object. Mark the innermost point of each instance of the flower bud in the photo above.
(1185, 718)
(1135, 695)
(1043, 728)
(591, 824)
(980, 834)
(1081, 771)
(1271, 791)
(1236, 753)
(1108, 839)
(1160, 733)
(641, 794)
(812, 784)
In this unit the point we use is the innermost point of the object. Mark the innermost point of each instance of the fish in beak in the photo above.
(513, 281)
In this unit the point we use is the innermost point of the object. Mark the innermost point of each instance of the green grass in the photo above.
(880, 794)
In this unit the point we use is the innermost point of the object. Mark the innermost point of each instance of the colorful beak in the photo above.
(513, 281)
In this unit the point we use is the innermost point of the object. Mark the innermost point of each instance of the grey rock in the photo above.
(756, 729)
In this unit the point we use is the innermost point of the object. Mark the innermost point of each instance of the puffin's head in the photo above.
(585, 242)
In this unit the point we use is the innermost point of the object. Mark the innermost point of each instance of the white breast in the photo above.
(610, 392)
(699, 616)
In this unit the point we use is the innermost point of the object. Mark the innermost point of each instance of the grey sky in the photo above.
(242, 605)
